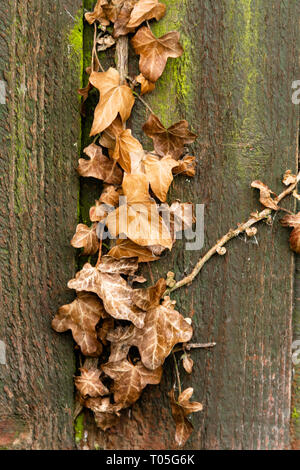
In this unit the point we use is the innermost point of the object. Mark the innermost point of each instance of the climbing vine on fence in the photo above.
(129, 330)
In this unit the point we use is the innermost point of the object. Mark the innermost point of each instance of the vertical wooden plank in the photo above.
(41, 47)
(233, 85)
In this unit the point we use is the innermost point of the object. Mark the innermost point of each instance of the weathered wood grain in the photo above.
(40, 61)
(233, 84)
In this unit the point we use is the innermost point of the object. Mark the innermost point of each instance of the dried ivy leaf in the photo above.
(118, 266)
(125, 146)
(105, 42)
(121, 340)
(289, 178)
(86, 238)
(106, 327)
(110, 195)
(188, 363)
(129, 249)
(182, 216)
(98, 14)
(159, 174)
(180, 410)
(129, 380)
(114, 99)
(121, 24)
(293, 220)
(106, 414)
(186, 166)
(146, 10)
(81, 317)
(112, 10)
(89, 384)
(114, 291)
(146, 85)
(139, 220)
(154, 52)
(99, 166)
(265, 195)
(150, 297)
(164, 327)
(169, 141)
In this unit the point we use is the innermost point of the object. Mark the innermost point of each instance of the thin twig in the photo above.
(177, 373)
(190, 346)
(144, 102)
(94, 51)
(231, 234)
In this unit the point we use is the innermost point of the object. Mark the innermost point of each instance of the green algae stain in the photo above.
(79, 428)
(75, 41)
(175, 84)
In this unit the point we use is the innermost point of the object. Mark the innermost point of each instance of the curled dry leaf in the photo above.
(125, 147)
(139, 219)
(146, 85)
(106, 414)
(107, 325)
(146, 10)
(121, 27)
(121, 340)
(188, 363)
(164, 327)
(98, 14)
(128, 249)
(154, 52)
(105, 42)
(81, 317)
(110, 195)
(130, 380)
(265, 195)
(114, 99)
(86, 238)
(159, 174)
(186, 166)
(99, 166)
(150, 297)
(113, 8)
(89, 384)
(180, 410)
(293, 220)
(114, 291)
(169, 141)
(289, 178)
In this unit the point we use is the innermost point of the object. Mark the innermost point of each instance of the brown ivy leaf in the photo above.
(188, 363)
(150, 297)
(121, 340)
(146, 85)
(98, 14)
(125, 146)
(164, 327)
(118, 266)
(108, 137)
(186, 166)
(169, 141)
(86, 238)
(159, 174)
(105, 42)
(114, 291)
(106, 414)
(107, 325)
(129, 380)
(112, 10)
(180, 410)
(128, 249)
(293, 220)
(89, 384)
(154, 52)
(139, 219)
(265, 195)
(81, 317)
(121, 24)
(110, 195)
(114, 99)
(99, 166)
(146, 10)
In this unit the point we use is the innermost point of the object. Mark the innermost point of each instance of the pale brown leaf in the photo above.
(118, 266)
(154, 52)
(129, 249)
(146, 10)
(146, 85)
(169, 141)
(98, 14)
(188, 363)
(86, 238)
(149, 297)
(125, 146)
(265, 195)
(114, 291)
(114, 99)
(180, 410)
(186, 166)
(89, 384)
(121, 339)
(81, 317)
(159, 173)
